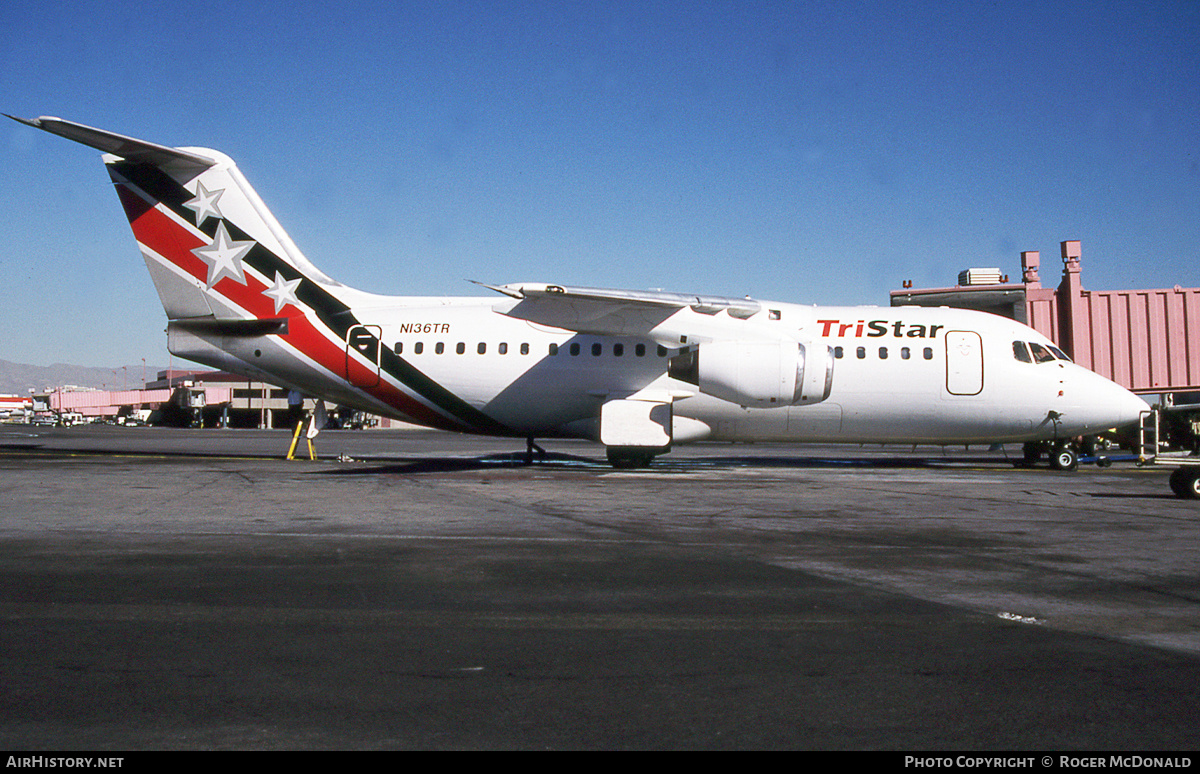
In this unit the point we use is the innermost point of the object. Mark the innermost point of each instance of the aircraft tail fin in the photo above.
(241, 297)
(212, 247)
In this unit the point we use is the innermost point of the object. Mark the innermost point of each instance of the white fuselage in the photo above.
(913, 375)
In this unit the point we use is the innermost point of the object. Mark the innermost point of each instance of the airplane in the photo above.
(636, 370)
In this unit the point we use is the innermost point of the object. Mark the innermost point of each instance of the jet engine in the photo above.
(758, 374)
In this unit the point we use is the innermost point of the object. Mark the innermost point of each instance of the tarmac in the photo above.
(191, 589)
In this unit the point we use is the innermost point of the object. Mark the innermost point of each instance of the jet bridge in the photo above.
(1147, 341)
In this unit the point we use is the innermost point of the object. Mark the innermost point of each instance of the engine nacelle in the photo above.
(758, 374)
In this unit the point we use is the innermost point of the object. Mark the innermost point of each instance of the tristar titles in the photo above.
(877, 328)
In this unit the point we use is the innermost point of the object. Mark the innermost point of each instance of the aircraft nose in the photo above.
(1100, 404)
(1132, 407)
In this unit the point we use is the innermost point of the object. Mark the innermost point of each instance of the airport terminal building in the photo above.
(191, 398)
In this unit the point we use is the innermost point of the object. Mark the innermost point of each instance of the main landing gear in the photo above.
(624, 457)
(628, 457)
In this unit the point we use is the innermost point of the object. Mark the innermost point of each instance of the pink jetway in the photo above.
(109, 402)
(94, 401)
(1145, 340)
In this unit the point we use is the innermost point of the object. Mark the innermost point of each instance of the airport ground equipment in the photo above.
(300, 426)
(310, 425)
(1153, 448)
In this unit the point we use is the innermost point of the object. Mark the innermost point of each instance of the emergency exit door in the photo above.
(964, 363)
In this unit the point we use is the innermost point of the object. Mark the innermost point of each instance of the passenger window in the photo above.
(399, 348)
(418, 348)
(502, 349)
(482, 348)
(905, 353)
(1040, 353)
(524, 349)
(883, 353)
(861, 353)
(662, 351)
(928, 353)
(597, 349)
(575, 348)
(618, 350)
(838, 352)
(460, 348)
(1021, 352)
(640, 350)
(553, 349)
(440, 348)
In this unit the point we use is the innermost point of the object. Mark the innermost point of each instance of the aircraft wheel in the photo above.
(627, 459)
(1065, 459)
(1185, 483)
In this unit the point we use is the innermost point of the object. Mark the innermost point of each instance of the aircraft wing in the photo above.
(120, 145)
(610, 312)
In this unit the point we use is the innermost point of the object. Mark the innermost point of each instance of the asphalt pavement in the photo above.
(174, 589)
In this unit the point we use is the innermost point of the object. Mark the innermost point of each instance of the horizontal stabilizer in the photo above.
(120, 145)
(237, 328)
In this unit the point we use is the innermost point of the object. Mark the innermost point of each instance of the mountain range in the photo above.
(20, 378)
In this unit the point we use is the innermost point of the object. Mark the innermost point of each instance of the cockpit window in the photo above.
(1040, 353)
(1058, 353)
(1021, 352)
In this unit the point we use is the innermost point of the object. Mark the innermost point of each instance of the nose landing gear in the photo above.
(1064, 455)
(1064, 458)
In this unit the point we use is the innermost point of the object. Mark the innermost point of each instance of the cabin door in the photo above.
(964, 363)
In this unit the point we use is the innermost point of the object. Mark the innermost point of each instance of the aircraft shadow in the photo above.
(758, 461)
(426, 465)
(422, 465)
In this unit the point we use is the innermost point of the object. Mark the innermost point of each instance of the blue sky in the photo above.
(818, 152)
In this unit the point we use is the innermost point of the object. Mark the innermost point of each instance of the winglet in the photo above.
(120, 145)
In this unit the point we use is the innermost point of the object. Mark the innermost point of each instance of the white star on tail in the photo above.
(224, 257)
(283, 292)
(204, 204)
